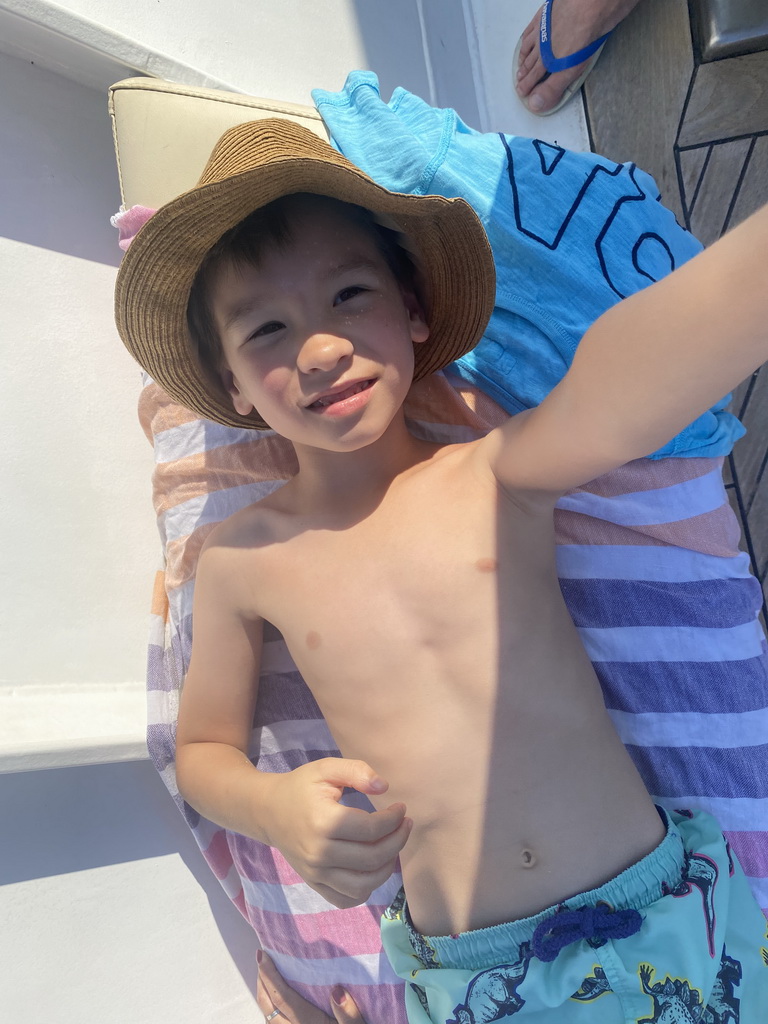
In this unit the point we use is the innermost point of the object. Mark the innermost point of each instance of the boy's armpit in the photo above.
(532, 472)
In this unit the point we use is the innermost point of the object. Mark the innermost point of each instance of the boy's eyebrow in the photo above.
(355, 263)
(242, 310)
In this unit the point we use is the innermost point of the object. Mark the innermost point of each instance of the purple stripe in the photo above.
(161, 743)
(287, 760)
(165, 667)
(735, 772)
(284, 697)
(702, 603)
(707, 687)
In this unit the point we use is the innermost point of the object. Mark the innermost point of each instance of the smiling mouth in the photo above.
(341, 396)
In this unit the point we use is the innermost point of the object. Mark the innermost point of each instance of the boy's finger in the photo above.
(342, 771)
(345, 889)
(368, 826)
(364, 858)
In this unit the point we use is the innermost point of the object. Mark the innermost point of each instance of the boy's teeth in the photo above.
(341, 395)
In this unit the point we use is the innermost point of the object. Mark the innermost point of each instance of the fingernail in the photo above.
(377, 784)
(338, 995)
(258, 956)
(536, 102)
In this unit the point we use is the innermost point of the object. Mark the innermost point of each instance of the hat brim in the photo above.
(253, 165)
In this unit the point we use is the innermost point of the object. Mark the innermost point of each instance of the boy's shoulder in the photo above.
(249, 528)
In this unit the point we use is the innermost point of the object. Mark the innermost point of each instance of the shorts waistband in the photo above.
(635, 888)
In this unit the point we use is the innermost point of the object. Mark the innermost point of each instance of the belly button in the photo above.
(313, 640)
(528, 859)
(486, 564)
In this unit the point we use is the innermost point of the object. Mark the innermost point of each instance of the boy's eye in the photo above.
(269, 328)
(349, 293)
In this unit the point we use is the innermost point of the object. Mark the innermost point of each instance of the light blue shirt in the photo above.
(571, 233)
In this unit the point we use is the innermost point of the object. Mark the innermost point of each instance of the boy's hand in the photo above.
(343, 853)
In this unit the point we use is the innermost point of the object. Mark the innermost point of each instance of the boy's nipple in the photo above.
(486, 564)
(313, 640)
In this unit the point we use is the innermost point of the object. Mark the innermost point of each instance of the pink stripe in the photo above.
(239, 902)
(751, 849)
(323, 936)
(648, 475)
(218, 855)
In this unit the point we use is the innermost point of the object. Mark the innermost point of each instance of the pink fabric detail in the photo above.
(751, 849)
(218, 855)
(239, 902)
(327, 934)
(263, 864)
(128, 223)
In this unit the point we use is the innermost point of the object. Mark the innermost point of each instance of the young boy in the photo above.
(414, 584)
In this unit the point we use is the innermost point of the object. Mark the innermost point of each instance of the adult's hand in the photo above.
(274, 993)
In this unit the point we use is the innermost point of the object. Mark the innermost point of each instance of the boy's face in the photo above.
(319, 336)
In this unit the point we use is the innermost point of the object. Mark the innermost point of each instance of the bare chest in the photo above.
(425, 584)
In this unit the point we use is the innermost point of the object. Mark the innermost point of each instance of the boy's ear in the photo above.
(417, 317)
(241, 404)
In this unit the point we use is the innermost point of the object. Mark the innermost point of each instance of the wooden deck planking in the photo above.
(710, 211)
(637, 90)
(692, 164)
(754, 187)
(750, 458)
(728, 98)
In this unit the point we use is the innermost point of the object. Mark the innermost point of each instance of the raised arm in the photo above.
(344, 853)
(646, 368)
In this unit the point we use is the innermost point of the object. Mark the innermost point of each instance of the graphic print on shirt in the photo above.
(628, 260)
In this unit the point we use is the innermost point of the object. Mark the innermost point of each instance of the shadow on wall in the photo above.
(440, 71)
(80, 819)
(58, 180)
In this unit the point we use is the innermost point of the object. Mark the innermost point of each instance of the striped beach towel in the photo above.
(651, 572)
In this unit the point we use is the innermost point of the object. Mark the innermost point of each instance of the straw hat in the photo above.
(252, 165)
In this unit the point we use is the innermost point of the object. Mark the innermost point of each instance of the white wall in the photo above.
(76, 568)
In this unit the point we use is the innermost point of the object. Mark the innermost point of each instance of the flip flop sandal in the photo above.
(554, 64)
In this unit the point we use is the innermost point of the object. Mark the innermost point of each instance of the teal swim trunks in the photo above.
(677, 938)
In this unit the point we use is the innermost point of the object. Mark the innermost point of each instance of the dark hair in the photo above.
(270, 226)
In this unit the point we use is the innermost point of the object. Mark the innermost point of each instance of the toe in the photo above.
(530, 75)
(548, 93)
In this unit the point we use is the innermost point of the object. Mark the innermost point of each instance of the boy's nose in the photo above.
(323, 351)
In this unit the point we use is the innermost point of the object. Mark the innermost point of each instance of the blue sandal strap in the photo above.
(552, 63)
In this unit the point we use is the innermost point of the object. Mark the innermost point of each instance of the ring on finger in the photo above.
(274, 1013)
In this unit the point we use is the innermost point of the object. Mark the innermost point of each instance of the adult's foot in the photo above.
(575, 24)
